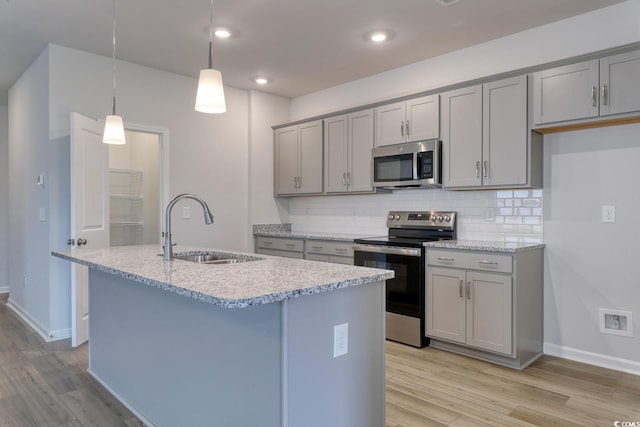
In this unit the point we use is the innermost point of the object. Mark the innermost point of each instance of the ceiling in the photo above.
(302, 45)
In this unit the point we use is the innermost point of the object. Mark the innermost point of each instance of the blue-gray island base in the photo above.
(178, 360)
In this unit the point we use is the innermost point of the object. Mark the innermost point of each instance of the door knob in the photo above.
(71, 242)
(82, 242)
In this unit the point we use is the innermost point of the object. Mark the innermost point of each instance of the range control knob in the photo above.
(440, 218)
(447, 218)
(390, 217)
(397, 217)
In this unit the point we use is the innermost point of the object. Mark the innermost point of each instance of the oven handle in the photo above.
(390, 250)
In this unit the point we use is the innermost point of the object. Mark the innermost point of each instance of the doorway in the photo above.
(135, 189)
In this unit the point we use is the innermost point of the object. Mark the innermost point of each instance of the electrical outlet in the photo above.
(186, 212)
(608, 213)
(340, 340)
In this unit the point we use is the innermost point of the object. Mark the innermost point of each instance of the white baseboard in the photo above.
(604, 361)
(48, 336)
(115, 394)
(4, 289)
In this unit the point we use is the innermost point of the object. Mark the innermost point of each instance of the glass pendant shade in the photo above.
(113, 131)
(210, 95)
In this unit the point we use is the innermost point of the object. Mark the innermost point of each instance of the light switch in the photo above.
(43, 214)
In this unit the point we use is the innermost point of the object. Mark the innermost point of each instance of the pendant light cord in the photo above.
(210, 37)
(114, 58)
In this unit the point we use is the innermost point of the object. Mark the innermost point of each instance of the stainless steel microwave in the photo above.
(410, 165)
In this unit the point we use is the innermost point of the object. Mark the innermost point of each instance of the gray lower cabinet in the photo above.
(328, 251)
(485, 305)
(314, 250)
(586, 90)
(280, 246)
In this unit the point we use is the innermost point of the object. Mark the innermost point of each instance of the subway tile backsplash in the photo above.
(488, 215)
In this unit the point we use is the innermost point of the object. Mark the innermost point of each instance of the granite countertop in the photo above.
(479, 245)
(266, 280)
(284, 230)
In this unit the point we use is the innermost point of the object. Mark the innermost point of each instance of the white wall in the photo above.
(590, 264)
(208, 157)
(29, 154)
(4, 198)
(571, 295)
(265, 111)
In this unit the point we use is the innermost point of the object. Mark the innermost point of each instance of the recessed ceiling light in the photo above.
(378, 37)
(261, 80)
(222, 33)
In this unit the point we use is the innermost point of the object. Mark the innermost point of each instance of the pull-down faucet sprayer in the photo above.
(166, 234)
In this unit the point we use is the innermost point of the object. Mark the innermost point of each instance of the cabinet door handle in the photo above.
(478, 169)
(299, 182)
(348, 178)
(461, 288)
(604, 95)
(406, 125)
(594, 96)
(402, 129)
(469, 291)
(485, 167)
(344, 179)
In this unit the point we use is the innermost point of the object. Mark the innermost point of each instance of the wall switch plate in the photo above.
(186, 212)
(616, 322)
(43, 215)
(608, 213)
(340, 340)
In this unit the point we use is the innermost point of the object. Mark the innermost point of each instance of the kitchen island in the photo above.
(249, 343)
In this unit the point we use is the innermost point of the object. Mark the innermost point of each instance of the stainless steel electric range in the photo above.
(403, 251)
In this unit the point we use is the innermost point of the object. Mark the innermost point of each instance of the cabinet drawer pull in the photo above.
(488, 262)
(267, 243)
(461, 289)
(290, 245)
(341, 250)
(445, 259)
(604, 95)
(594, 96)
(316, 248)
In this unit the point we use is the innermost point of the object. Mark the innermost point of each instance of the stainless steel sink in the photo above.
(214, 258)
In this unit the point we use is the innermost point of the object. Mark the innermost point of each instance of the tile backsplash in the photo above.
(489, 215)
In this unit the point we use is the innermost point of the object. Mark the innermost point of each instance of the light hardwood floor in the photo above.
(46, 384)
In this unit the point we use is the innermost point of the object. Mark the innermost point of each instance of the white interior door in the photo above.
(89, 211)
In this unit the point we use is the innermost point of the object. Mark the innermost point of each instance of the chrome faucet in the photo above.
(166, 234)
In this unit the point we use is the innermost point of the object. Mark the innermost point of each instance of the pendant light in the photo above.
(114, 127)
(210, 95)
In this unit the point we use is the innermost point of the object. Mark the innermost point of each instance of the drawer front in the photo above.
(276, 243)
(485, 261)
(329, 248)
(286, 254)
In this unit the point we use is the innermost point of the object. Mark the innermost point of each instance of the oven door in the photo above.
(405, 292)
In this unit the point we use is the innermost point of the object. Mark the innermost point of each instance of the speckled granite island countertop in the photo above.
(261, 280)
(479, 245)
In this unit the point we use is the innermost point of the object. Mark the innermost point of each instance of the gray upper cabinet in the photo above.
(298, 159)
(407, 121)
(347, 151)
(462, 137)
(595, 88)
(486, 141)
